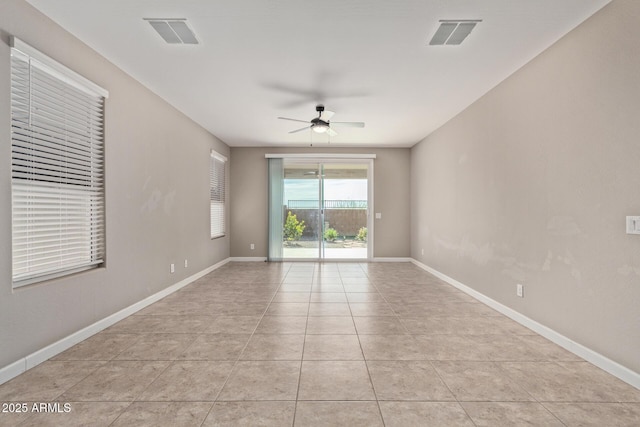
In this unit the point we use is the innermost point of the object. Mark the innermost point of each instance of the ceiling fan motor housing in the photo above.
(319, 124)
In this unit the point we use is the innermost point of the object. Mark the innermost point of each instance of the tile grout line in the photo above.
(399, 319)
(364, 358)
(497, 364)
(452, 393)
(536, 400)
(304, 343)
(235, 363)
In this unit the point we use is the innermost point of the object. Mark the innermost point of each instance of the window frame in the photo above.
(217, 195)
(57, 173)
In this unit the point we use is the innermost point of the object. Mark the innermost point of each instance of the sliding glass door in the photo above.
(345, 210)
(302, 214)
(319, 210)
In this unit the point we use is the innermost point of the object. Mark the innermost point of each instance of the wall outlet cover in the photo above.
(633, 225)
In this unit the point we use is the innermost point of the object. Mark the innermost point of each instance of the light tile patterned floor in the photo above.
(308, 344)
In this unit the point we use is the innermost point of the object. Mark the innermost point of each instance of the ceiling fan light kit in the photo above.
(320, 128)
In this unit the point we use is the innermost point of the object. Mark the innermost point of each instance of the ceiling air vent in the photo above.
(173, 31)
(453, 32)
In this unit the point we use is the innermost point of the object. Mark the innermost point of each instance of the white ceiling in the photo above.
(366, 60)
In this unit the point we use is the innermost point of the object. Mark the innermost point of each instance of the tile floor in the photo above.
(310, 344)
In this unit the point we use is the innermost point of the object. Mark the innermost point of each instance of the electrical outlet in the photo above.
(633, 225)
(173, 268)
(186, 263)
(252, 246)
(520, 290)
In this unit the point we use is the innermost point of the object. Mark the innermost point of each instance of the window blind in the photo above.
(57, 168)
(217, 194)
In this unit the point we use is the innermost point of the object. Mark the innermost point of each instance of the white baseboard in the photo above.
(377, 259)
(248, 259)
(13, 370)
(603, 362)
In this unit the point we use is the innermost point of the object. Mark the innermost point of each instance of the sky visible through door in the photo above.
(334, 189)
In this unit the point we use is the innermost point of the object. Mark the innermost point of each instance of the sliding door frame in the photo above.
(333, 158)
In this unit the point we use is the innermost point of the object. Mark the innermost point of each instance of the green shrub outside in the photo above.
(293, 228)
(362, 234)
(330, 234)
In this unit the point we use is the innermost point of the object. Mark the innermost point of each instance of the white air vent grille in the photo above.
(453, 32)
(173, 31)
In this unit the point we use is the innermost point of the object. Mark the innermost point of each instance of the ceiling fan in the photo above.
(322, 123)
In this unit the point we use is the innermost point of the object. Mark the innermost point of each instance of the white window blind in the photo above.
(217, 194)
(57, 168)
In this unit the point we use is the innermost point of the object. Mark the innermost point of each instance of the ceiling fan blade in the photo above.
(294, 120)
(349, 124)
(326, 115)
(292, 90)
(300, 130)
(331, 132)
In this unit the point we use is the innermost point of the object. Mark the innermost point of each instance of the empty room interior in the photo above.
(288, 212)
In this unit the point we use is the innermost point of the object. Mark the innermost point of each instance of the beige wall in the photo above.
(157, 177)
(249, 198)
(531, 185)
